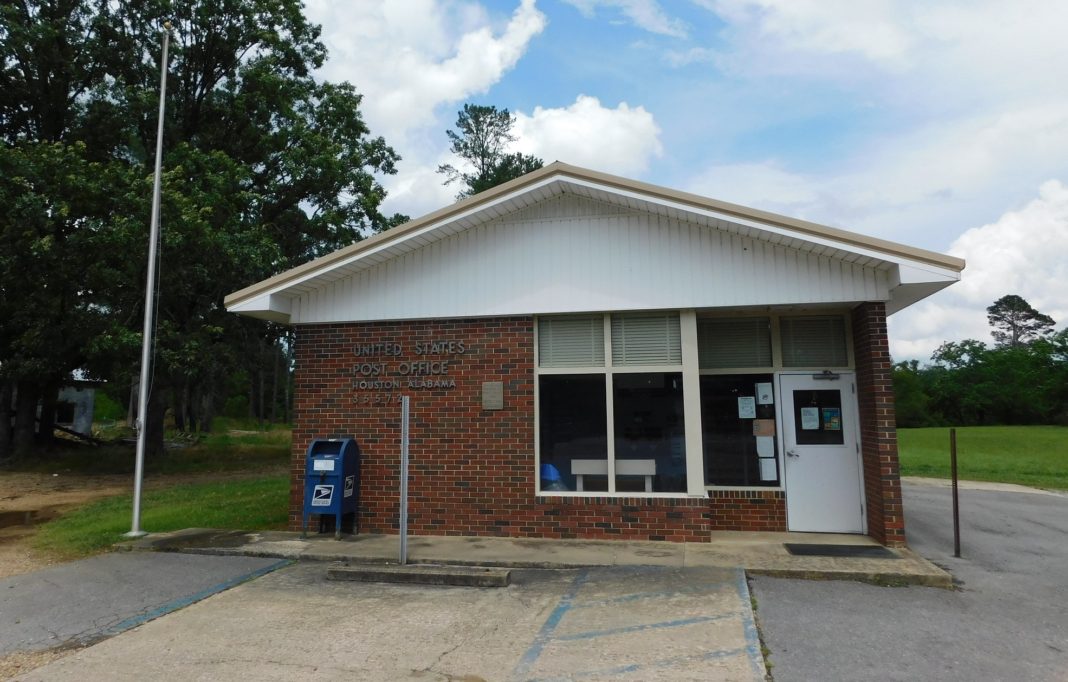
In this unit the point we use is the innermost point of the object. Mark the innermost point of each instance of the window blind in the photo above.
(734, 342)
(571, 341)
(813, 341)
(646, 339)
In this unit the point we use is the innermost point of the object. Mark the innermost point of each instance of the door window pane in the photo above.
(738, 422)
(573, 432)
(649, 432)
(818, 417)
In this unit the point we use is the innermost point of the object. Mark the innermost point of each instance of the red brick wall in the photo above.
(875, 393)
(637, 518)
(754, 510)
(472, 470)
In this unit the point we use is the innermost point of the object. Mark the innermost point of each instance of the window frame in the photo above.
(608, 370)
(690, 369)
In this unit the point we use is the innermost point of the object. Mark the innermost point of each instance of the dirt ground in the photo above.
(28, 499)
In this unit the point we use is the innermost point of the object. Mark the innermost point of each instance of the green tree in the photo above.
(264, 168)
(956, 378)
(52, 210)
(481, 140)
(286, 164)
(1015, 322)
(912, 401)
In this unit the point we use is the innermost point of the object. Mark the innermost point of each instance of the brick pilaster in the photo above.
(875, 393)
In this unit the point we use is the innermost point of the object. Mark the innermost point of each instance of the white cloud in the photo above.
(418, 189)
(410, 56)
(949, 53)
(877, 29)
(979, 120)
(693, 55)
(1023, 253)
(912, 186)
(621, 140)
(766, 185)
(645, 14)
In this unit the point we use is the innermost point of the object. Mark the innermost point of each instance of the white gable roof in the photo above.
(566, 239)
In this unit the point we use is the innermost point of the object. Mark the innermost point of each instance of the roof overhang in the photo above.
(918, 273)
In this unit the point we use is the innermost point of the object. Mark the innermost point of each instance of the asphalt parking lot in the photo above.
(1007, 621)
(85, 601)
(640, 623)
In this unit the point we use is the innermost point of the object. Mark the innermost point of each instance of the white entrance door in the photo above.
(821, 440)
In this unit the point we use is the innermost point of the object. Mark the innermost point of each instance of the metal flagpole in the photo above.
(150, 300)
(403, 524)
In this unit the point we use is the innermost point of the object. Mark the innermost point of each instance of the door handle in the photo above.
(793, 453)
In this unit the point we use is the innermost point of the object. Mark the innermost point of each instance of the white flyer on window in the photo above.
(765, 446)
(765, 396)
(768, 470)
(746, 407)
(810, 418)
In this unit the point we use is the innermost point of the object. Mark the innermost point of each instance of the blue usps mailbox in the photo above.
(331, 482)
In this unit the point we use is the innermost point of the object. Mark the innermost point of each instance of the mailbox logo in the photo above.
(350, 482)
(322, 495)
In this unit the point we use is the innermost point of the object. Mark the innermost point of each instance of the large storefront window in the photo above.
(738, 429)
(611, 404)
(642, 436)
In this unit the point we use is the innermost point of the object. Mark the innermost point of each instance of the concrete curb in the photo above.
(762, 557)
(423, 574)
(886, 579)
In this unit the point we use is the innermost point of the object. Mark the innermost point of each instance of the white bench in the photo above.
(624, 467)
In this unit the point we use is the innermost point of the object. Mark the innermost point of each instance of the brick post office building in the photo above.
(593, 357)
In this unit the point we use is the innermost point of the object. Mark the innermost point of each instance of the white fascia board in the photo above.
(916, 273)
(273, 307)
(937, 272)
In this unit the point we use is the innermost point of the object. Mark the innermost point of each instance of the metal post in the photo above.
(404, 482)
(956, 504)
(150, 300)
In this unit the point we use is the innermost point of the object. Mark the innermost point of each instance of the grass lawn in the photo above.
(1028, 455)
(218, 452)
(233, 479)
(245, 504)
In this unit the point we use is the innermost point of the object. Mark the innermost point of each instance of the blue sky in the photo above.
(941, 124)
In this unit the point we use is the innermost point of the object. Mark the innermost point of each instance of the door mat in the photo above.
(849, 551)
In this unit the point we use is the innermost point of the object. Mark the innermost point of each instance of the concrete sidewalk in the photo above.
(757, 553)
